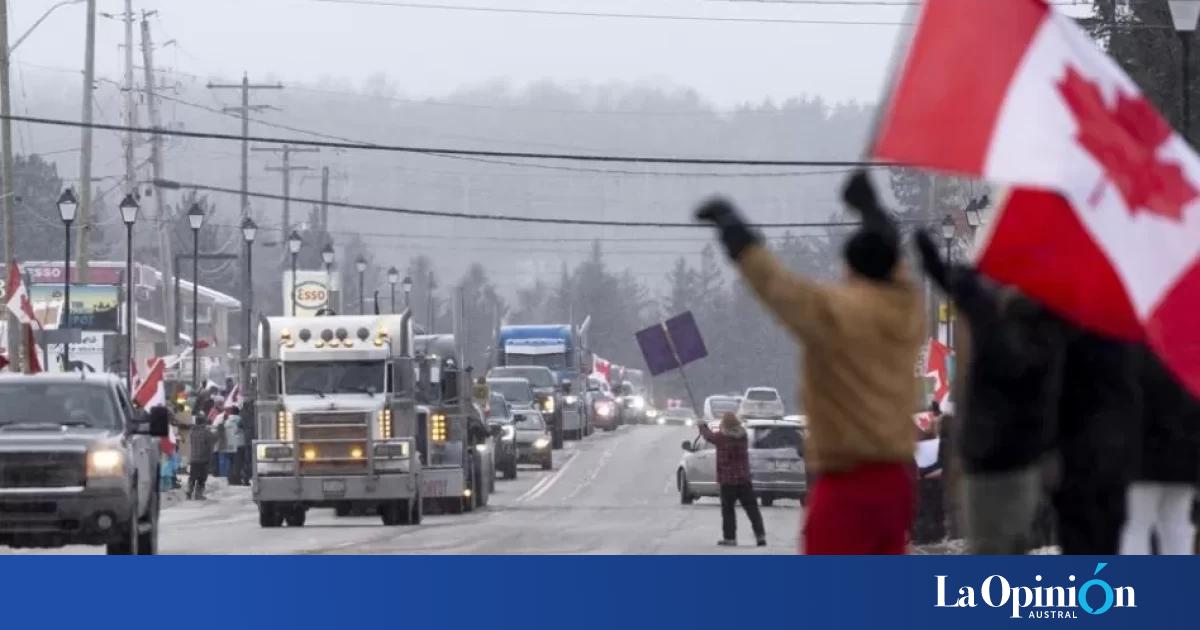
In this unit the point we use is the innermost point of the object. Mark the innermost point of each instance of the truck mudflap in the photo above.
(442, 483)
(317, 491)
(572, 421)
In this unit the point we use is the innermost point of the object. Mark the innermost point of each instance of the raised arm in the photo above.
(962, 283)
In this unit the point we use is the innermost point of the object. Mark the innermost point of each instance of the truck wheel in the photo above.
(295, 517)
(269, 515)
(148, 539)
(557, 439)
(393, 513)
(127, 544)
(767, 501)
(452, 506)
(685, 493)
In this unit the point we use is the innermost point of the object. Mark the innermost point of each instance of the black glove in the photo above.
(860, 195)
(735, 234)
(931, 260)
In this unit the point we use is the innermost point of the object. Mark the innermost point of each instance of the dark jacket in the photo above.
(1101, 408)
(1170, 436)
(733, 455)
(203, 443)
(1014, 373)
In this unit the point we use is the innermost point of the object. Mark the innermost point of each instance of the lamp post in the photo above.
(393, 278)
(294, 243)
(949, 230)
(407, 285)
(196, 221)
(432, 286)
(327, 255)
(1185, 14)
(361, 265)
(67, 205)
(249, 231)
(129, 214)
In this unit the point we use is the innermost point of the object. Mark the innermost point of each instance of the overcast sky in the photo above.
(430, 52)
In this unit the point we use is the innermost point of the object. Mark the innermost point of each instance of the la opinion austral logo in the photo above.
(1041, 599)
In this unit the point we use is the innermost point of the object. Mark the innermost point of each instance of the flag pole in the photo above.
(682, 372)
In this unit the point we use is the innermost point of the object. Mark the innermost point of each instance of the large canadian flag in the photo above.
(937, 366)
(1103, 225)
(151, 391)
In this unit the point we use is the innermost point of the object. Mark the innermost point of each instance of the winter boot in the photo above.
(762, 541)
(727, 543)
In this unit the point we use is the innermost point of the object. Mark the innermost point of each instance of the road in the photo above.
(613, 493)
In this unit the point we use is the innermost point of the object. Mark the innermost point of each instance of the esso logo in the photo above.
(311, 295)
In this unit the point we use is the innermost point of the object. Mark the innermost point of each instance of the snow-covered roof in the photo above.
(159, 328)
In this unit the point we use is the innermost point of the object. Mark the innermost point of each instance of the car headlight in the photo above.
(274, 451)
(604, 409)
(509, 432)
(570, 400)
(637, 402)
(105, 462)
(652, 413)
(548, 405)
(481, 448)
(689, 422)
(662, 420)
(541, 443)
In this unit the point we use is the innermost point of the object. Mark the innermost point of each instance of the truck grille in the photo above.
(42, 470)
(332, 418)
(333, 437)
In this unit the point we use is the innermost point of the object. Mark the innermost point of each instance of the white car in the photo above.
(777, 468)
(761, 402)
(716, 406)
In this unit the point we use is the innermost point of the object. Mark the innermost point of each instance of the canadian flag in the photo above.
(17, 298)
(937, 366)
(152, 392)
(601, 367)
(1104, 225)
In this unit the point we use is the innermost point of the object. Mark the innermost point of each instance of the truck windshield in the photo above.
(552, 361)
(516, 392)
(342, 377)
(75, 404)
(536, 376)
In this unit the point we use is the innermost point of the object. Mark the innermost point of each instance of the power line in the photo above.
(600, 14)
(579, 157)
(480, 216)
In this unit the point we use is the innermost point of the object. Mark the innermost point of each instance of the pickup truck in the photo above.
(78, 466)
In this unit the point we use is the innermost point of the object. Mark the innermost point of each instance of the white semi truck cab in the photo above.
(336, 410)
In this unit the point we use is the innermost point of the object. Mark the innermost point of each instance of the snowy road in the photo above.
(613, 493)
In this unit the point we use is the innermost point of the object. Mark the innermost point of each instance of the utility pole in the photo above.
(166, 258)
(85, 153)
(130, 103)
(244, 110)
(286, 170)
(325, 198)
(6, 186)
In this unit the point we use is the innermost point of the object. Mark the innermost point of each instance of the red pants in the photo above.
(864, 511)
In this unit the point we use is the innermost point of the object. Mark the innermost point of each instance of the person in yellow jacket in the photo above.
(861, 337)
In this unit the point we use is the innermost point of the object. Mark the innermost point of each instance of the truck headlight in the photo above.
(438, 428)
(652, 413)
(637, 402)
(274, 451)
(105, 462)
(570, 400)
(541, 443)
(548, 405)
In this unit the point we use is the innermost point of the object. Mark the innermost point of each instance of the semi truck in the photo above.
(336, 417)
(456, 447)
(558, 347)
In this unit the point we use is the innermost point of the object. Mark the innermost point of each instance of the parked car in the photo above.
(718, 405)
(776, 464)
(533, 439)
(78, 466)
(761, 402)
(498, 413)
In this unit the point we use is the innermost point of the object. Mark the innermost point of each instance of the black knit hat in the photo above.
(871, 254)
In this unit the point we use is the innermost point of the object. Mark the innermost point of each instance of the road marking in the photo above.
(592, 477)
(544, 486)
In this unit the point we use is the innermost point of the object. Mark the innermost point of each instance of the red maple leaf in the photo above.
(1125, 141)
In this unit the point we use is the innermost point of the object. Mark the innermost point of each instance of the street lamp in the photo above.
(294, 243)
(1185, 14)
(393, 278)
(327, 255)
(407, 286)
(361, 265)
(249, 231)
(196, 221)
(129, 214)
(67, 205)
(949, 231)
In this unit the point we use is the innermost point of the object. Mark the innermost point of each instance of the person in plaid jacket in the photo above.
(733, 475)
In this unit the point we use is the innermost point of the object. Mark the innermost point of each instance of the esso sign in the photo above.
(311, 295)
